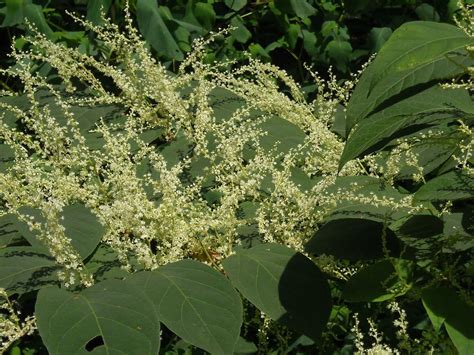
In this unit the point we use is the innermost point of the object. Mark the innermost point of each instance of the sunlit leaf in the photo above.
(196, 302)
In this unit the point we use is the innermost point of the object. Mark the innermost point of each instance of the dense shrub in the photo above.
(219, 205)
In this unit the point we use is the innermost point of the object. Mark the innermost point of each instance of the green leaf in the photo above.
(427, 12)
(421, 226)
(244, 347)
(21, 102)
(416, 53)
(14, 12)
(444, 304)
(426, 107)
(292, 34)
(176, 150)
(107, 318)
(339, 123)
(459, 229)
(7, 157)
(87, 117)
(25, 269)
(182, 36)
(455, 185)
(196, 302)
(309, 42)
(8, 230)
(284, 284)
(224, 103)
(421, 234)
(81, 226)
(300, 8)
(241, 33)
(154, 29)
(17, 11)
(354, 239)
(34, 14)
(329, 28)
(258, 51)
(235, 5)
(339, 51)
(104, 264)
(431, 152)
(281, 134)
(368, 187)
(95, 8)
(375, 283)
(378, 36)
(205, 14)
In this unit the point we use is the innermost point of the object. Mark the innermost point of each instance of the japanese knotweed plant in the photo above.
(132, 196)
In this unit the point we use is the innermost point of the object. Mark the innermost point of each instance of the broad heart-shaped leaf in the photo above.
(24, 269)
(416, 53)
(375, 283)
(426, 107)
(155, 31)
(81, 226)
(455, 185)
(107, 318)
(196, 302)
(354, 239)
(284, 284)
(444, 304)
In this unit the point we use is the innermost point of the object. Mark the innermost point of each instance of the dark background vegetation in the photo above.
(288, 33)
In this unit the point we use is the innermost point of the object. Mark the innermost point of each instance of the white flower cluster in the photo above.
(12, 327)
(213, 177)
(406, 344)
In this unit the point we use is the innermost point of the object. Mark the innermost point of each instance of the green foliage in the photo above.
(283, 284)
(194, 301)
(149, 212)
(417, 53)
(121, 319)
(81, 226)
(456, 316)
(336, 238)
(294, 32)
(155, 31)
(24, 269)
